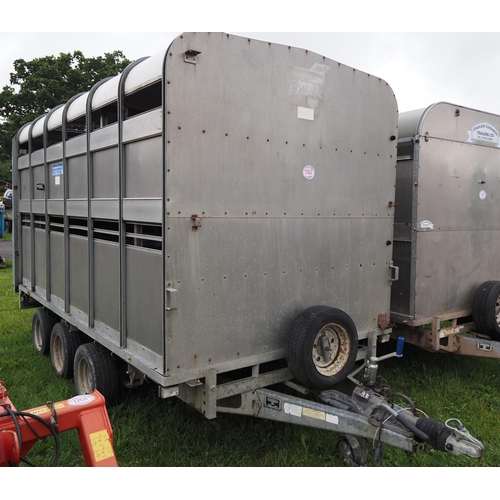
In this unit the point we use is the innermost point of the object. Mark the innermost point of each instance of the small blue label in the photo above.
(57, 169)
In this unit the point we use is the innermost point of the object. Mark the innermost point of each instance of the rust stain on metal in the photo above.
(383, 322)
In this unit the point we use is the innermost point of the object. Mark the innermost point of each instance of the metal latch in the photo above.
(396, 273)
(190, 56)
(196, 221)
(170, 299)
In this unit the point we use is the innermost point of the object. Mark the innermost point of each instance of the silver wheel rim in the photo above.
(85, 380)
(331, 348)
(57, 355)
(37, 335)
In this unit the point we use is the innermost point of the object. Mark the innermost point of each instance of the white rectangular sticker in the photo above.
(294, 410)
(305, 113)
(332, 419)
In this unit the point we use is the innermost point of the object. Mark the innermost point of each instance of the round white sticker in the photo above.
(308, 172)
(482, 195)
(426, 224)
(81, 400)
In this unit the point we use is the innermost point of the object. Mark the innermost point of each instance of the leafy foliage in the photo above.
(41, 84)
(5, 173)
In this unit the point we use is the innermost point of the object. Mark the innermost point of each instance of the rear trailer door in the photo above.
(280, 173)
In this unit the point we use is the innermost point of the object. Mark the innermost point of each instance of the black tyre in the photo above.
(486, 309)
(63, 346)
(95, 369)
(41, 329)
(322, 347)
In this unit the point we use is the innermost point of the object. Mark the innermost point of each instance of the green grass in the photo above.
(151, 432)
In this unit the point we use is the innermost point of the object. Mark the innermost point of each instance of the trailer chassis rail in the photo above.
(368, 417)
(456, 339)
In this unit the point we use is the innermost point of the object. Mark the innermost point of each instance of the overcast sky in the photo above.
(421, 68)
(444, 56)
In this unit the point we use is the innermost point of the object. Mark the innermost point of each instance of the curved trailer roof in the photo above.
(437, 120)
(142, 74)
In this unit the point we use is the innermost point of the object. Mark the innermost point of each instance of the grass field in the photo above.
(150, 432)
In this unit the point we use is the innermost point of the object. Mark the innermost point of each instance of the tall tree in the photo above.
(37, 86)
(5, 174)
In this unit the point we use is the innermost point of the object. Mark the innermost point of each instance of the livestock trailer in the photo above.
(447, 221)
(217, 219)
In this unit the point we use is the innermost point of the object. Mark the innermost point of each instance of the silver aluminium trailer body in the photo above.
(217, 219)
(446, 227)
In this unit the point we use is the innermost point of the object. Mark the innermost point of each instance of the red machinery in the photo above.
(19, 431)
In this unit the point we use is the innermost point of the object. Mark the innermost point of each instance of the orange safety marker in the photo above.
(19, 431)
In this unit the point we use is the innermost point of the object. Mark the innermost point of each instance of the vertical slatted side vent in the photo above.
(56, 224)
(145, 236)
(78, 227)
(105, 230)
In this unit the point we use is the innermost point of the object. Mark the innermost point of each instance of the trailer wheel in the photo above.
(486, 309)
(351, 452)
(63, 346)
(41, 329)
(95, 369)
(322, 347)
